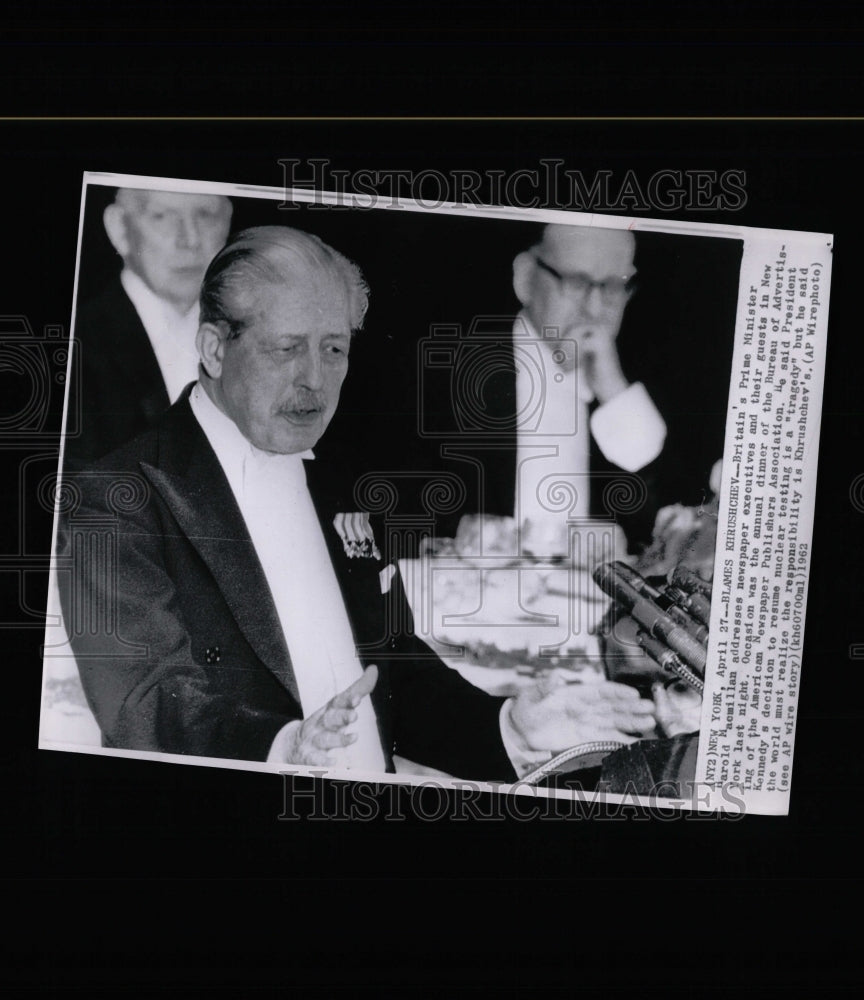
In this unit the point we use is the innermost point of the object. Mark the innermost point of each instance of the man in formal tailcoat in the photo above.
(224, 602)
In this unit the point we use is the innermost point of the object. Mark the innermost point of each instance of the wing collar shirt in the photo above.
(554, 427)
(171, 334)
(274, 500)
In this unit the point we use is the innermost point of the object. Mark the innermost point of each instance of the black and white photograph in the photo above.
(433, 499)
(447, 511)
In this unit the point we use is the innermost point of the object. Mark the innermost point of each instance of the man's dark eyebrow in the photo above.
(338, 334)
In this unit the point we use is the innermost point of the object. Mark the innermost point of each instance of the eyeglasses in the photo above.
(612, 289)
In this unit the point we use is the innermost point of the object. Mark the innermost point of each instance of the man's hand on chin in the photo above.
(601, 366)
(553, 715)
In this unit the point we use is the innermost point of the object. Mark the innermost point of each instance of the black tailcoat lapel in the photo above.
(193, 486)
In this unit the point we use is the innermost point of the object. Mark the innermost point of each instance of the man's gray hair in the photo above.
(275, 255)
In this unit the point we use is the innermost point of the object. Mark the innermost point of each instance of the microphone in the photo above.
(665, 601)
(689, 582)
(656, 621)
(667, 660)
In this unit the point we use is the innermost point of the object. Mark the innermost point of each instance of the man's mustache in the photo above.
(304, 401)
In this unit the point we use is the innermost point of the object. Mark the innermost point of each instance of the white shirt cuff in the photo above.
(522, 757)
(628, 429)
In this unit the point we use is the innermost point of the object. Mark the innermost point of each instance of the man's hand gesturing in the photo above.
(554, 716)
(327, 729)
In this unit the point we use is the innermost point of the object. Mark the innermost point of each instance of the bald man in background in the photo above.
(574, 415)
(136, 339)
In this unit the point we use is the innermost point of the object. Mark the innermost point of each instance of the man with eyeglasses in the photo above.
(578, 415)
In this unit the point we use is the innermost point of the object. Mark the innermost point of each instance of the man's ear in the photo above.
(211, 349)
(523, 274)
(114, 219)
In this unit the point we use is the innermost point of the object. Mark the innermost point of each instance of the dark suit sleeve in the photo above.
(630, 498)
(438, 718)
(146, 685)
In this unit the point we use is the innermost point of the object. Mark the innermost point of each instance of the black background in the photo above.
(122, 872)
